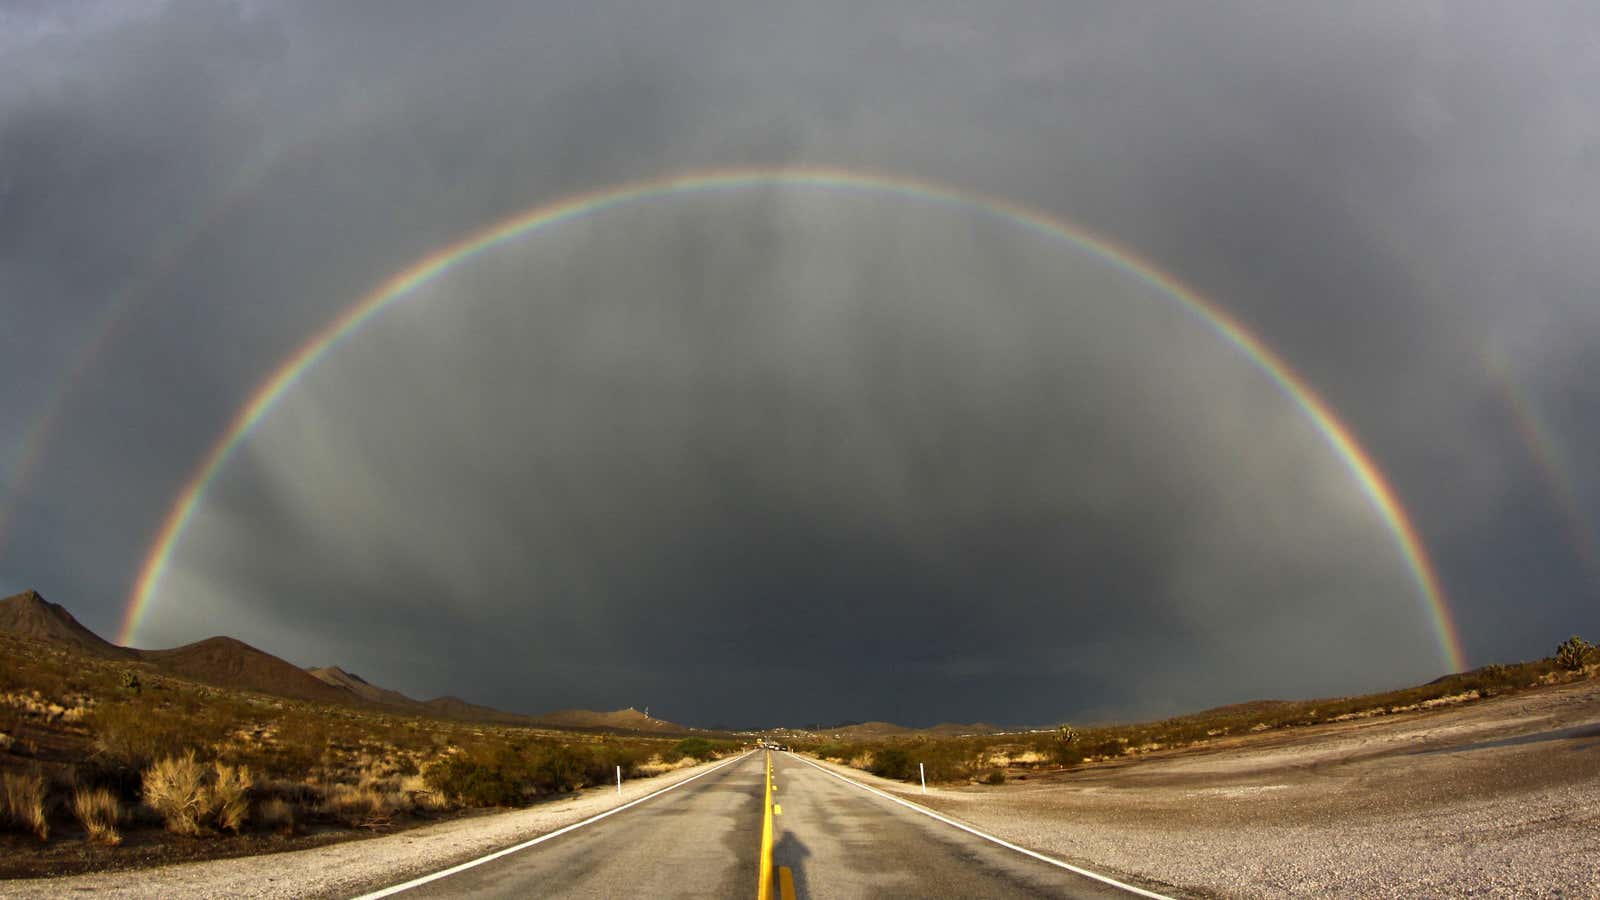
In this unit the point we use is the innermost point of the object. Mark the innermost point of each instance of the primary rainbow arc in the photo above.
(1338, 435)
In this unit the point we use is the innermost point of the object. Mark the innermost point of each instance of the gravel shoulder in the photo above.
(1499, 798)
(348, 868)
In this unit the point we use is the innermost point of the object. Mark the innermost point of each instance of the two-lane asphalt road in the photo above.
(703, 839)
(841, 841)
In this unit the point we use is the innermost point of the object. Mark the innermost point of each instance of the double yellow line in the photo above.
(785, 877)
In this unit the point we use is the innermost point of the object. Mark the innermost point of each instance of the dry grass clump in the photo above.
(230, 795)
(99, 812)
(189, 796)
(363, 807)
(422, 797)
(656, 766)
(24, 796)
(175, 787)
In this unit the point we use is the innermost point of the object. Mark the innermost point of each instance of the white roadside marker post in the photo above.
(924, 773)
(619, 781)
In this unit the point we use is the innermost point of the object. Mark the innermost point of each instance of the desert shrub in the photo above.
(230, 796)
(557, 769)
(175, 787)
(995, 776)
(99, 812)
(24, 795)
(893, 762)
(834, 750)
(698, 748)
(951, 760)
(609, 754)
(132, 736)
(1100, 743)
(129, 681)
(275, 814)
(300, 746)
(494, 779)
(1574, 653)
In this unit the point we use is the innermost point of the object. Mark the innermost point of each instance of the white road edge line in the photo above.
(445, 873)
(988, 837)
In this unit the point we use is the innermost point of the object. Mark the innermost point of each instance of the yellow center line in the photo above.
(785, 883)
(764, 891)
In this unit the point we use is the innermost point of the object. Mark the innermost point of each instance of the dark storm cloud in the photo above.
(944, 492)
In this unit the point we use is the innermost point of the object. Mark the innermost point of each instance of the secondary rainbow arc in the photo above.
(1338, 435)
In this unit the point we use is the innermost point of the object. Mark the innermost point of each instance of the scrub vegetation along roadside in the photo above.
(996, 758)
(107, 763)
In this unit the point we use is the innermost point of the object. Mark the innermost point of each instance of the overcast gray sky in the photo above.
(800, 453)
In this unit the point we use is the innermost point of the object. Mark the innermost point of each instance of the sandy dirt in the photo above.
(1499, 798)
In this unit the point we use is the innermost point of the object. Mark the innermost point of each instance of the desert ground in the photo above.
(1498, 798)
(1495, 798)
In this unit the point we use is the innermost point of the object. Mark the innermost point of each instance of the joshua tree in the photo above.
(1573, 653)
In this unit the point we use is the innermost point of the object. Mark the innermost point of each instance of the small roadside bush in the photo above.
(558, 769)
(99, 812)
(477, 782)
(893, 762)
(995, 776)
(840, 752)
(697, 748)
(605, 758)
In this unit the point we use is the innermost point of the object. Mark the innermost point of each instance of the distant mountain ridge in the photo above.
(361, 687)
(629, 719)
(872, 730)
(230, 663)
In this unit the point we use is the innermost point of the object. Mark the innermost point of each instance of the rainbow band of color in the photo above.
(1338, 435)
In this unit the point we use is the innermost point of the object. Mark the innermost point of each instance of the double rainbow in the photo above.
(1338, 435)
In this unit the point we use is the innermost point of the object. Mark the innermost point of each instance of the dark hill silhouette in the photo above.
(863, 731)
(230, 663)
(457, 708)
(868, 730)
(226, 662)
(29, 615)
(959, 729)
